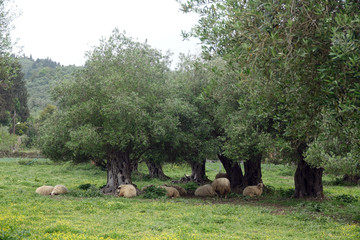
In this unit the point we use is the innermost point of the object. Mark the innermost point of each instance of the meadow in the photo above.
(86, 214)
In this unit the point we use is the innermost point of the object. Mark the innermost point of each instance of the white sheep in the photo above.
(171, 192)
(205, 191)
(44, 190)
(221, 186)
(126, 190)
(253, 190)
(59, 189)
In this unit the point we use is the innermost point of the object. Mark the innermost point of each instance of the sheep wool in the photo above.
(221, 175)
(171, 192)
(44, 190)
(59, 189)
(253, 190)
(205, 191)
(181, 190)
(221, 186)
(126, 190)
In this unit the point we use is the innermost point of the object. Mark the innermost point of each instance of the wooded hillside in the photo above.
(40, 76)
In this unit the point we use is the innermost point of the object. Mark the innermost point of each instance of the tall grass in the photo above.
(86, 214)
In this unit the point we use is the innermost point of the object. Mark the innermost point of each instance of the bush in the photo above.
(7, 140)
(345, 198)
(85, 186)
(287, 193)
(86, 190)
(154, 192)
(191, 186)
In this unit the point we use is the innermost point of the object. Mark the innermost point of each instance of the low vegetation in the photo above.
(84, 213)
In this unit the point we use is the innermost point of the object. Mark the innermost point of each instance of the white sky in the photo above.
(64, 30)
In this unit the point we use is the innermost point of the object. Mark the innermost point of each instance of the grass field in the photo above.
(86, 214)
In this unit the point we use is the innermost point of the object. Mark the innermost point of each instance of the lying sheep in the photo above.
(205, 191)
(126, 190)
(171, 192)
(253, 190)
(59, 189)
(221, 186)
(44, 190)
(181, 190)
(221, 175)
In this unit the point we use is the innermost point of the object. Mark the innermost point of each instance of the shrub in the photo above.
(154, 192)
(345, 198)
(287, 193)
(191, 186)
(7, 140)
(85, 186)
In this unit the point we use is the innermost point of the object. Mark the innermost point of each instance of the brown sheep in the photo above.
(205, 191)
(59, 189)
(126, 190)
(181, 190)
(171, 192)
(44, 190)
(221, 175)
(221, 186)
(253, 190)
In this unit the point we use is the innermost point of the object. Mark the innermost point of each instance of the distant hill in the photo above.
(41, 75)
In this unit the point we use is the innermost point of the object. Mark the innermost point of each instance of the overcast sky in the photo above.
(65, 29)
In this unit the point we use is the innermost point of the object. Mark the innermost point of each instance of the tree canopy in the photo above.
(298, 61)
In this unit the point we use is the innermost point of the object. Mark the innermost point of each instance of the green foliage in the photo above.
(21, 128)
(13, 95)
(153, 192)
(41, 75)
(86, 191)
(191, 186)
(345, 198)
(48, 110)
(115, 104)
(7, 140)
(298, 63)
(85, 186)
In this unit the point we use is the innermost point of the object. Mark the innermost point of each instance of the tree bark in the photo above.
(119, 171)
(234, 173)
(308, 180)
(198, 174)
(252, 170)
(155, 170)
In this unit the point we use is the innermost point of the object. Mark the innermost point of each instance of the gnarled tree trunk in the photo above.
(234, 173)
(119, 171)
(252, 168)
(308, 180)
(198, 174)
(155, 170)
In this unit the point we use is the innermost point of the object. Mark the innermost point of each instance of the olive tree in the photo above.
(302, 57)
(112, 110)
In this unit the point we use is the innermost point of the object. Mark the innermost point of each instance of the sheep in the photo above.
(221, 175)
(221, 186)
(253, 190)
(59, 189)
(205, 191)
(181, 190)
(44, 190)
(171, 192)
(126, 190)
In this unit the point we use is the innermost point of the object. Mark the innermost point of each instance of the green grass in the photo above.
(86, 214)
